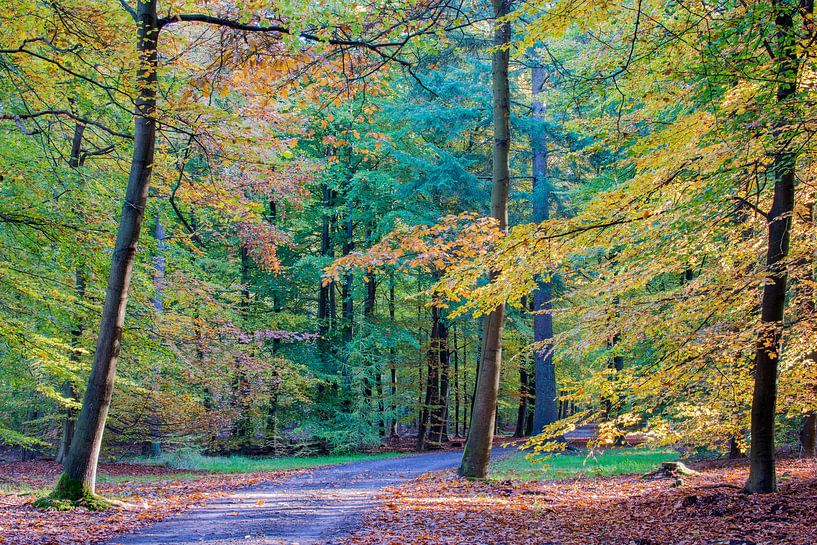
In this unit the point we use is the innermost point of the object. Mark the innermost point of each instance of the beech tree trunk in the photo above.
(348, 308)
(456, 355)
(483, 415)
(324, 315)
(153, 446)
(762, 476)
(68, 425)
(466, 401)
(348, 284)
(392, 362)
(546, 409)
(242, 429)
(434, 413)
(524, 398)
(422, 422)
(69, 390)
(439, 412)
(734, 449)
(808, 435)
(375, 372)
(79, 475)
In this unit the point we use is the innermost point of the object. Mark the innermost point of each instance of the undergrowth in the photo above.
(194, 461)
(617, 461)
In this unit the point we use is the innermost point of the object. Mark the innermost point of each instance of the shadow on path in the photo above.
(307, 509)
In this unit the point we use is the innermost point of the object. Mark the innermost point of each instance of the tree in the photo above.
(481, 431)
(78, 480)
(79, 477)
(762, 473)
(546, 405)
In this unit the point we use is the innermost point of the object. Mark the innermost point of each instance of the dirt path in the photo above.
(312, 508)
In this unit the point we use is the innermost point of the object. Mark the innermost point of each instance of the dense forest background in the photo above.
(316, 257)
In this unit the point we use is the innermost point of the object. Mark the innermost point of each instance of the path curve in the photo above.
(311, 508)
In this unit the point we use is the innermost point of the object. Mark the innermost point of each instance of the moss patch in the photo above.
(69, 494)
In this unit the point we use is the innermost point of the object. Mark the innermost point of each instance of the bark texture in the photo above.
(808, 436)
(546, 408)
(762, 475)
(69, 390)
(483, 415)
(433, 428)
(326, 252)
(152, 447)
(79, 476)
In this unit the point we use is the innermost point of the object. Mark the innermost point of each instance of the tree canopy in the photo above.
(287, 227)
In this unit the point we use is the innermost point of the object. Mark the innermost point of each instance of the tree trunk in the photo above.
(326, 251)
(381, 406)
(348, 308)
(734, 449)
(79, 476)
(69, 390)
(271, 432)
(483, 416)
(431, 385)
(75, 158)
(762, 476)
(153, 446)
(392, 361)
(243, 427)
(442, 356)
(370, 373)
(272, 416)
(456, 354)
(348, 284)
(545, 405)
(808, 435)
(522, 409)
(466, 402)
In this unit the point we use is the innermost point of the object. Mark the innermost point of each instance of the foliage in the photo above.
(319, 195)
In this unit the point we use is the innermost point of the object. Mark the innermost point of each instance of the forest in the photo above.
(554, 261)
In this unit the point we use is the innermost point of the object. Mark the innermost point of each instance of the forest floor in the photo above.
(152, 493)
(181, 507)
(592, 509)
(418, 500)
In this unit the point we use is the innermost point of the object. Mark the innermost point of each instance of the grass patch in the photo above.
(113, 479)
(22, 489)
(187, 460)
(582, 463)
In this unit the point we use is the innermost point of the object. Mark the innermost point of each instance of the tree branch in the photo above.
(21, 117)
(128, 8)
(748, 204)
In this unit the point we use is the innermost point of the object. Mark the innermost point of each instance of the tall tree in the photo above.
(545, 405)
(324, 315)
(762, 472)
(79, 475)
(153, 446)
(483, 415)
(69, 390)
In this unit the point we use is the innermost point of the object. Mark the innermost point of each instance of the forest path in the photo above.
(317, 507)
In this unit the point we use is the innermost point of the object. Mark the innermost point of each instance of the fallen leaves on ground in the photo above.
(152, 493)
(708, 509)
